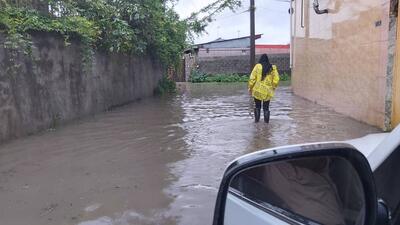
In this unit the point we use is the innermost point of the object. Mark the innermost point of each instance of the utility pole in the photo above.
(252, 35)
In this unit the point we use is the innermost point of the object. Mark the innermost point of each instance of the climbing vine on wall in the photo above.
(122, 26)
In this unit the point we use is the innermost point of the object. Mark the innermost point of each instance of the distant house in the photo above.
(272, 49)
(225, 47)
(231, 56)
(236, 47)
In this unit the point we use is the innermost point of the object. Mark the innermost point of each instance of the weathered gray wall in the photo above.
(53, 87)
(239, 64)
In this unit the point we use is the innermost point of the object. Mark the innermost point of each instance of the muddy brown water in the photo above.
(157, 161)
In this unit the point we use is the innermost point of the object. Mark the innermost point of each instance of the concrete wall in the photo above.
(189, 64)
(52, 87)
(239, 64)
(341, 58)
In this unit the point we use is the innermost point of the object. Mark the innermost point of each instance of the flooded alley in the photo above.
(156, 161)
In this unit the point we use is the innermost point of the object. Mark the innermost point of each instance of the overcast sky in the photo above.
(272, 20)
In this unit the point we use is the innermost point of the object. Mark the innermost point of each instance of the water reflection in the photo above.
(219, 127)
(110, 169)
(158, 161)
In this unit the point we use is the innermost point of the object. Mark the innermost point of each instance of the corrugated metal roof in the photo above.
(258, 36)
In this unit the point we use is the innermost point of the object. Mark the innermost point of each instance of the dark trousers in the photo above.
(265, 104)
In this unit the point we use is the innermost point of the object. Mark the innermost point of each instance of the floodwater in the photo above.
(157, 161)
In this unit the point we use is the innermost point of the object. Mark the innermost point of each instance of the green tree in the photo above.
(123, 26)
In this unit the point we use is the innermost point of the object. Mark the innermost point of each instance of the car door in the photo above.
(387, 180)
(326, 183)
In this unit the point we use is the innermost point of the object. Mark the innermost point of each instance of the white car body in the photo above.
(375, 147)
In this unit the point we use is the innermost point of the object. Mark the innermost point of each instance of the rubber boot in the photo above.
(257, 114)
(266, 116)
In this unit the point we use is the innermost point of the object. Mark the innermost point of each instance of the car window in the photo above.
(318, 191)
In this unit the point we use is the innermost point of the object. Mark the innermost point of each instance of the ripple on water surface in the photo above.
(157, 161)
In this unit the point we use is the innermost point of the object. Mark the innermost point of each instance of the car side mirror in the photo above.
(328, 184)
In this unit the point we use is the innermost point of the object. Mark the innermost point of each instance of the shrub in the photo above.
(165, 85)
(285, 77)
(199, 77)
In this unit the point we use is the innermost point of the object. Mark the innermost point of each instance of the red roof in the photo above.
(274, 46)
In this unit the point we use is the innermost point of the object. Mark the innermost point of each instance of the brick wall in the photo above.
(240, 64)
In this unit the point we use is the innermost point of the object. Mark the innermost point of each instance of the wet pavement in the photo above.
(157, 161)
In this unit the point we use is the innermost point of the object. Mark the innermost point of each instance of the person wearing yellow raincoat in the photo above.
(264, 80)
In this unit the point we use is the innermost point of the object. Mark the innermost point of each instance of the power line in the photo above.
(271, 10)
(233, 15)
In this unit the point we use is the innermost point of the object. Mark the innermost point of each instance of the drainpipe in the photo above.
(317, 10)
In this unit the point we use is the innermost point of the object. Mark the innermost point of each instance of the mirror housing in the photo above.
(265, 157)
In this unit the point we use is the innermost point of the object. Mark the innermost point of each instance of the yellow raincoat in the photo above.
(263, 90)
